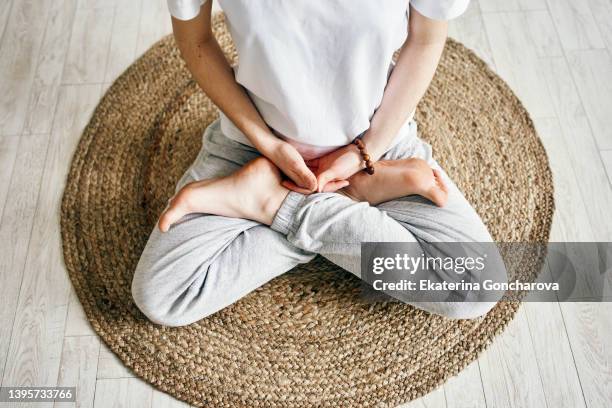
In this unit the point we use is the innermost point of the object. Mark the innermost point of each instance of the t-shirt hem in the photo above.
(186, 9)
(230, 130)
(436, 11)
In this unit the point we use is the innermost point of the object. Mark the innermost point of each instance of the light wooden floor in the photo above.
(57, 58)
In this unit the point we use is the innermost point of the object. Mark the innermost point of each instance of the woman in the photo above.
(280, 176)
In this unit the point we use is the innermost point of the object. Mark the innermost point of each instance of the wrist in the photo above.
(266, 143)
(357, 158)
(365, 156)
(376, 145)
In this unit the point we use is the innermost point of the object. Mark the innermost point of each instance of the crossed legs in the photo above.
(205, 262)
(254, 192)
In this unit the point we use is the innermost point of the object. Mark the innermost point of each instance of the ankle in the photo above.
(271, 204)
(352, 194)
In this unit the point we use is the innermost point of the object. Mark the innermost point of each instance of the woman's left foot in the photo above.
(398, 178)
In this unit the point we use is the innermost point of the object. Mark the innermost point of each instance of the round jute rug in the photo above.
(306, 338)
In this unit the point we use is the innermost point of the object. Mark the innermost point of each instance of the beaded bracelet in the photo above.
(366, 157)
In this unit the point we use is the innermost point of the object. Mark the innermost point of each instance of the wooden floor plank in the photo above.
(45, 88)
(163, 400)
(39, 323)
(124, 39)
(109, 365)
(154, 24)
(78, 369)
(555, 360)
(15, 230)
(606, 156)
(516, 60)
(575, 24)
(76, 321)
(585, 159)
(602, 12)
(8, 152)
(592, 71)
(589, 331)
(5, 10)
(492, 6)
(589, 169)
(435, 399)
(466, 389)
(122, 393)
(543, 34)
(97, 4)
(510, 374)
(532, 4)
(89, 43)
(571, 220)
(19, 52)
(488, 6)
(470, 31)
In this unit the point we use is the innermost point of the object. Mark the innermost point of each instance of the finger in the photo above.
(293, 187)
(324, 178)
(335, 185)
(304, 178)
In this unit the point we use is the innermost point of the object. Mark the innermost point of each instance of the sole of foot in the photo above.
(398, 178)
(253, 192)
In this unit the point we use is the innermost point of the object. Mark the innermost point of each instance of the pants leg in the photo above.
(335, 226)
(206, 262)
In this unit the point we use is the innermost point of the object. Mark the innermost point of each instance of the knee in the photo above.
(149, 301)
(155, 301)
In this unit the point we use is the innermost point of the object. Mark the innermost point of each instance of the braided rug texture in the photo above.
(306, 338)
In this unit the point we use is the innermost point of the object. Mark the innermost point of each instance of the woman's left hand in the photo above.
(332, 170)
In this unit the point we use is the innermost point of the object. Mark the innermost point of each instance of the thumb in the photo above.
(324, 178)
(335, 185)
(304, 177)
(290, 185)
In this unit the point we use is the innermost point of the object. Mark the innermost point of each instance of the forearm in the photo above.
(415, 68)
(210, 69)
(207, 64)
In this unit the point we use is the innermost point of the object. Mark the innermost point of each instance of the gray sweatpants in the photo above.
(207, 262)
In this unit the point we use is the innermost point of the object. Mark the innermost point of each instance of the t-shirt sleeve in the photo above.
(185, 9)
(440, 9)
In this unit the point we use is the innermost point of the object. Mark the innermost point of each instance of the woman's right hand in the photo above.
(290, 161)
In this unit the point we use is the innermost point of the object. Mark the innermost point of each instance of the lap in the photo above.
(456, 221)
(193, 269)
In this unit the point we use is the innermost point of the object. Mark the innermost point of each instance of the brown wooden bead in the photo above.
(364, 154)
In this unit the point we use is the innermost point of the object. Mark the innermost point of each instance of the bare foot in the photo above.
(398, 178)
(254, 192)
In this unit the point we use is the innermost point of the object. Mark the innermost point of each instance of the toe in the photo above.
(439, 181)
(441, 197)
(174, 212)
(438, 193)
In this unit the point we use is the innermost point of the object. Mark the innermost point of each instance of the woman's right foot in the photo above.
(393, 179)
(254, 192)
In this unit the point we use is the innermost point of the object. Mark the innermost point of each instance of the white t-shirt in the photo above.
(316, 70)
